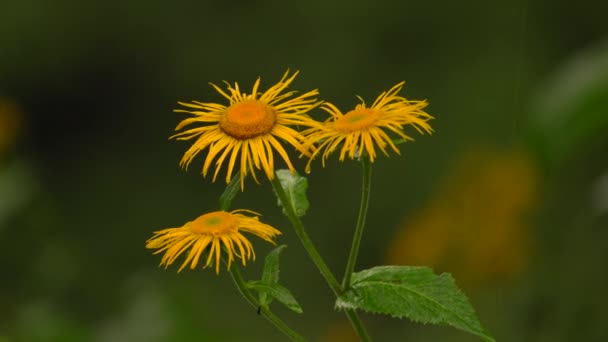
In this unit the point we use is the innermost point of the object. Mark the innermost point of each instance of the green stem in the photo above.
(304, 238)
(315, 256)
(355, 321)
(354, 249)
(264, 311)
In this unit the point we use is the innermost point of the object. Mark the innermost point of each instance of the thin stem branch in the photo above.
(304, 238)
(355, 321)
(316, 257)
(225, 201)
(354, 249)
(264, 311)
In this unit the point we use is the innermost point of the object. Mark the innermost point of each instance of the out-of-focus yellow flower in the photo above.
(475, 225)
(10, 124)
(216, 231)
(340, 330)
(364, 128)
(249, 126)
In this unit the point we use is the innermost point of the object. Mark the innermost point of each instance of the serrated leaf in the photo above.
(232, 189)
(412, 292)
(270, 273)
(295, 188)
(271, 266)
(278, 292)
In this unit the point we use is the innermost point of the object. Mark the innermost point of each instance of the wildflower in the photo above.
(213, 231)
(249, 126)
(364, 127)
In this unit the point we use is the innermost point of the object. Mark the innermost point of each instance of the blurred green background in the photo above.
(510, 194)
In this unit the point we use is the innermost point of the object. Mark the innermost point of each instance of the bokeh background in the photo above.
(510, 194)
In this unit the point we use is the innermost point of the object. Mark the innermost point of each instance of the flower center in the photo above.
(356, 120)
(248, 119)
(216, 223)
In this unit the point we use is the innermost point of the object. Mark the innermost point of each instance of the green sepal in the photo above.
(400, 141)
(413, 292)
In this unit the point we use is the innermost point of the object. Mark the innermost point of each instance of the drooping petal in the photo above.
(212, 233)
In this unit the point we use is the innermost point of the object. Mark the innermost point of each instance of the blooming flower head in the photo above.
(364, 128)
(248, 129)
(212, 231)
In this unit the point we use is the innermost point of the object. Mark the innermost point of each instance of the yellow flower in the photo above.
(249, 126)
(364, 127)
(214, 231)
(476, 225)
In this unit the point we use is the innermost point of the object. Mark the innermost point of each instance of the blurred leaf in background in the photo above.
(570, 111)
(566, 129)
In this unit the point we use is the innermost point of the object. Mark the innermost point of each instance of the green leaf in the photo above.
(295, 188)
(230, 192)
(412, 292)
(568, 114)
(277, 292)
(271, 266)
(271, 272)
